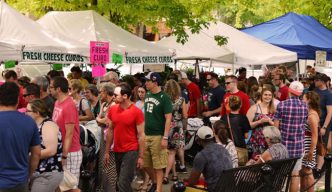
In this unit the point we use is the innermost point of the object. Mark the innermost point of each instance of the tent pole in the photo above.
(233, 69)
(175, 64)
(210, 65)
(130, 68)
(297, 69)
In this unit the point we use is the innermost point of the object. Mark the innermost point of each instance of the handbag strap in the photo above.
(230, 128)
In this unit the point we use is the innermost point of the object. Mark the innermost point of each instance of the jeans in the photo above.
(125, 168)
(20, 188)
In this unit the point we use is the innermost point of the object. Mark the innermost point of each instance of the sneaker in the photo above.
(181, 170)
(153, 188)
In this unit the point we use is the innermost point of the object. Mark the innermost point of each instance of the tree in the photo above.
(178, 14)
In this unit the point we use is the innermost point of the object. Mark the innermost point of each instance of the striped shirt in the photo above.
(292, 114)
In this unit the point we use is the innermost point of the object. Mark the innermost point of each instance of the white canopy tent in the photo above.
(86, 26)
(248, 51)
(199, 46)
(22, 39)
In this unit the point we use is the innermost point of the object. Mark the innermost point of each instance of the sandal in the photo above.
(165, 180)
(142, 188)
(175, 178)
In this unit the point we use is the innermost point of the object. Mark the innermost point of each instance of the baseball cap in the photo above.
(296, 88)
(154, 77)
(184, 75)
(205, 132)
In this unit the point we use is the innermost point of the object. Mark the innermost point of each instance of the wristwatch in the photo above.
(64, 157)
(165, 137)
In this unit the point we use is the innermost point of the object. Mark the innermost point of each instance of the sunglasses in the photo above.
(25, 95)
(227, 83)
(29, 111)
(208, 79)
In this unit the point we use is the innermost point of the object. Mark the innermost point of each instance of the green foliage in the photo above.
(246, 12)
(182, 15)
(221, 40)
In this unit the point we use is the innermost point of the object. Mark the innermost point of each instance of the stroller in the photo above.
(191, 147)
(90, 136)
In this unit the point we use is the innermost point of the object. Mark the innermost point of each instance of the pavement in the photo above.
(166, 187)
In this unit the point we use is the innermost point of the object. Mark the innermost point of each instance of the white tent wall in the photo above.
(18, 33)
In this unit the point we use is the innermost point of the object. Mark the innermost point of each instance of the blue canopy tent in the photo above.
(298, 33)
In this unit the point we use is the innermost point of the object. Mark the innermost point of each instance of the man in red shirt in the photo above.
(65, 115)
(194, 96)
(231, 88)
(126, 132)
(279, 80)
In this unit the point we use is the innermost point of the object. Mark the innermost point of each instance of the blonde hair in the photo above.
(172, 88)
(271, 107)
(235, 102)
(76, 84)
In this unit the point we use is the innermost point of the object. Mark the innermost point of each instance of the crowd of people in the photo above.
(143, 127)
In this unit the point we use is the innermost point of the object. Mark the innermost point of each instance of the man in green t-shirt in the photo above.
(158, 114)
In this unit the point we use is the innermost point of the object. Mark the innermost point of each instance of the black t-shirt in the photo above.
(215, 97)
(239, 125)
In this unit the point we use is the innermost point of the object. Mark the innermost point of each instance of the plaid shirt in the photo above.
(292, 114)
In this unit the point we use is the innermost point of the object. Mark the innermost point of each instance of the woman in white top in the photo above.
(222, 138)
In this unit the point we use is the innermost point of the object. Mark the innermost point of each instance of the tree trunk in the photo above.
(140, 30)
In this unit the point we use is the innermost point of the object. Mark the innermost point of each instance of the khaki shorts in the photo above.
(154, 156)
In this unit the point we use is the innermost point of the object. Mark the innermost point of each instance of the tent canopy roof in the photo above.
(86, 26)
(299, 33)
(247, 50)
(18, 32)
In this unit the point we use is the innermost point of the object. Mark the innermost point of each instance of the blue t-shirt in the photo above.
(215, 97)
(211, 161)
(325, 99)
(18, 132)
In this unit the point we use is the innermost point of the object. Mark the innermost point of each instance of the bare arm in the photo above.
(216, 111)
(109, 138)
(251, 116)
(313, 121)
(184, 115)
(276, 123)
(34, 159)
(99, 119)
(141, 139)
(68, 138)
(328, 116)
(50, 139)
(109, 141)
(88, 115)
(266, 156)
(168, 118)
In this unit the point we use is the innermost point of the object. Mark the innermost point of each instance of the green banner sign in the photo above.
(52, 57)
(57, 66)
(117, 58)
(149, 59)
(10, 64)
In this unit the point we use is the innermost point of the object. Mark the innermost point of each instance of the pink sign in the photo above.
(99, 52)
(98, 70)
